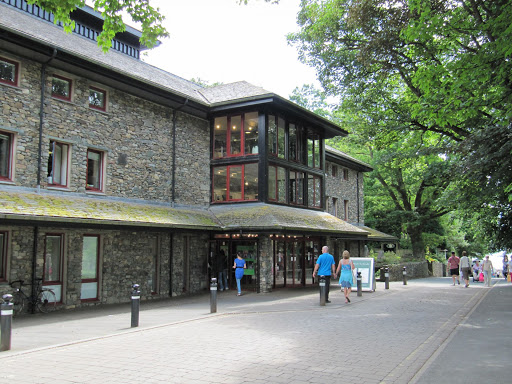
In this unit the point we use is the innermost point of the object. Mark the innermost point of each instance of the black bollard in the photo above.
(404, 273)
(6, 323)
(135, 305)
(359, 284)
(386, 276)
(323, 290)
(213, 295)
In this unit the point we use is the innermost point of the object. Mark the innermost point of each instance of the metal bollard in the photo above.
(6, 322)
(323, 291)
(404, 273)
(359, 284)
(386, 276)
(213, 295)
(135, 305)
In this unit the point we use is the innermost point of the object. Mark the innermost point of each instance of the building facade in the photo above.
(113, 172)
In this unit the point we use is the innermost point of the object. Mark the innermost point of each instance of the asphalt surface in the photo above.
(427, 331)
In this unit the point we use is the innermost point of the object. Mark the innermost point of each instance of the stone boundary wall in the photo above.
(415, 270)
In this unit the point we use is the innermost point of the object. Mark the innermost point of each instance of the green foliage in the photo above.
(140, 11)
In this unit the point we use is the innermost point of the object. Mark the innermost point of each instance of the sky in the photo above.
(222, 41)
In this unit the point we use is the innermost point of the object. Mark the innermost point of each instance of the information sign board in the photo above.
(366, 266)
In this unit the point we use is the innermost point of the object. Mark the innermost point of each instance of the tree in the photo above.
(427, 66)
(140, 11)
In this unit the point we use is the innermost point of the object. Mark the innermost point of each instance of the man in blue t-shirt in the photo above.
(325, 266)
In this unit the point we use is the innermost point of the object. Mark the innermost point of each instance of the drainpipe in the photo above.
(173, 176)
(41, 120)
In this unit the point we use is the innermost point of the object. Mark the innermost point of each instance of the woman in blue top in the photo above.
(239, 266)
(346, 266)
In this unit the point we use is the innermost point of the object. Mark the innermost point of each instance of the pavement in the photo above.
(427, 331)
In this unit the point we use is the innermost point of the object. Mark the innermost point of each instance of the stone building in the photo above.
(114, 172)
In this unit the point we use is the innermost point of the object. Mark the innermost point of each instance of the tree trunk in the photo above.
(418, 247)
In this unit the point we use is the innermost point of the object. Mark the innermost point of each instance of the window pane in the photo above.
(219, 184)
(57, 163)
(61, 88)
(94, 170)
(318, 195)
(235, 183)
(292, 139)
(97, 98)
(236, 135)
(317, 152)
(310, 153)
(220, 132)
(251, 133)
(5, 155)
(272, 134)
(90, 258)
(314, 193)
(2, 254)
(280, 137)
(7, 72)
(272, 173)
(297, 188)
(52, 258)
(251, 181)
(281, 185)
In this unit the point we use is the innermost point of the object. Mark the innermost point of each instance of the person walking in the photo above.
(487, 268)
(476, 271)
(346, 266)
(324, 266)
(505, 266)
(465, 267)
(453, 265)
(239, 265)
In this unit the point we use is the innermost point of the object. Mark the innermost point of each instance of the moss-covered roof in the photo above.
(375, 235)
(88, 210)
(265, 217)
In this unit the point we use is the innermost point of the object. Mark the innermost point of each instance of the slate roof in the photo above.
(374, 235)
(49, 207)
(267, 217)
(352, 161)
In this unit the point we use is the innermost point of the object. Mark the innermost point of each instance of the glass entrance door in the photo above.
(294, 263)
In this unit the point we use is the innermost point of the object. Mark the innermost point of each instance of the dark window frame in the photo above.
(101, 180)
(314, 198)
(4, 255)
(10, 157)
(55, 143)
(16, 72)
(345, 174)
(228, 168)
(97, 278)
(228, 153)
(61, 258)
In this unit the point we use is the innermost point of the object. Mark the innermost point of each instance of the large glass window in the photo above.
(8, 72)
(94, 170)
(314, 191)
(314, 151)
(53, 259)
(296, 188)
(277, 184)
(61, 88)
(235, 182)
(6, 155)
(276, 136)
(58, 164)
(235, 135)
(292, 140)
(90, 262)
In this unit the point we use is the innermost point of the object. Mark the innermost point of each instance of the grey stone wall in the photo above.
(342, 189)
(135, 135)
(414, 271)
(266, 263)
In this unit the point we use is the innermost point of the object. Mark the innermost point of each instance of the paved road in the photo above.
(402, 335)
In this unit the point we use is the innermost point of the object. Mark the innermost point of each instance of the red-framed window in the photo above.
(4, 239)
(276, 184)
(53, 256)
(235, 135)
(296, 189)
(58, 164)
(276, 136)
(97, 99)
(9, 71)
(314, 191)
(90, 268)
(95, 160)
(235, 183)
(61, 88)
(6, 155)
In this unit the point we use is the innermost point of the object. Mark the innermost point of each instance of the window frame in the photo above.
(4, 254)
(345, 210)
(228, 152)
(67, 159)
(345, 174)
(10, 157)
(60, 97)
(95, 107)
(334, 170)
(296, 196)
(16, 72)
(335, 206)
(228, 183)
(101, 177)
(97, 278)
(313, 199)
(61, 258)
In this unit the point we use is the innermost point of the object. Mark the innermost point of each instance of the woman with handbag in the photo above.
(346, 278)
